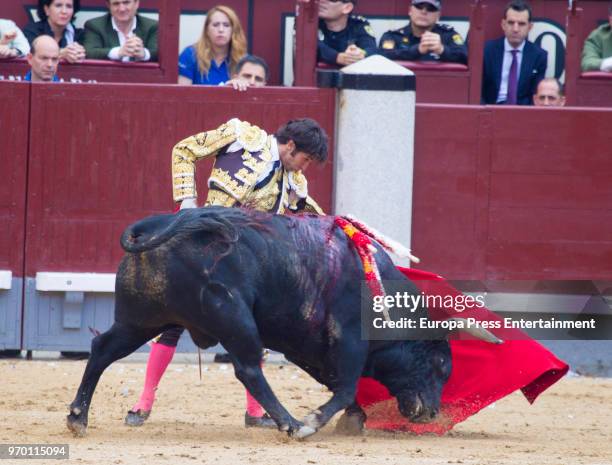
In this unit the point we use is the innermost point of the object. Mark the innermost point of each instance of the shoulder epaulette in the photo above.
(359, 18)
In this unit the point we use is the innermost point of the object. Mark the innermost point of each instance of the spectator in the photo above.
(13, 43)
(597, 51)
(513, 66)
(343, 38)
(221, 45)
(549, 93)
(43, 60)
(122, 34)
(251, 71)
(423, 39)
(55, 20)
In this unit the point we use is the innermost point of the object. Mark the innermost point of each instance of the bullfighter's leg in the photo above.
(118, 342)
(343, 367)
(160, 357)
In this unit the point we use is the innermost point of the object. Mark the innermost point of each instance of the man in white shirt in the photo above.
(122, 34)
(13, 43)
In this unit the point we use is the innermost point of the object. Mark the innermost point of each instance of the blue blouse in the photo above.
(188, 67)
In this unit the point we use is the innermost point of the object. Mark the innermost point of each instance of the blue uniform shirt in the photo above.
(28, 77)
(188, 67)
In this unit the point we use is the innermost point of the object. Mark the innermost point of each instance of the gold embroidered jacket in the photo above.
(247, 170)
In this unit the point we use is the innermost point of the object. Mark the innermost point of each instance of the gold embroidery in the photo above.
(264, 199)
(246, 176)
(193, 148)
(388, 44)
(299, 184)
(219, 198)
(226, 182)
(251, 137)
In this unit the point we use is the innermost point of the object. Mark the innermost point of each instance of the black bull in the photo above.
(250, 280)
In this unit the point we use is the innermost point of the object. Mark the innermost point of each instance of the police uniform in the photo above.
(247, 171)
(357, 32)
(402, 44)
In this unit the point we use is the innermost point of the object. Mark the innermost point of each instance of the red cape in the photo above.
(482, 372)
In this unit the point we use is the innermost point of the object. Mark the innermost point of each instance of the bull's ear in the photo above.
(478, 332)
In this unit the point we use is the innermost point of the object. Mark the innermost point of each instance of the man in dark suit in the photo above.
(121, 34)
(513, 66)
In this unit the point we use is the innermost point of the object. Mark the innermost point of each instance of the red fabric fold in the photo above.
(482, 372)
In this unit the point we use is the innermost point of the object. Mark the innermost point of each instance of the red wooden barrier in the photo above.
(508, 193)
(450, 185)
(14, 114)
(106, 161)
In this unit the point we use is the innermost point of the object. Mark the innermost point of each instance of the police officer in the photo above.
(422, 39)
(343, 38)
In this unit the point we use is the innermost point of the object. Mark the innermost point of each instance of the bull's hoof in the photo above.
(303, 432)
(297, 430)
(312, 420)
(137, 418)
(76, 425)
(265, 421)
(351, 424)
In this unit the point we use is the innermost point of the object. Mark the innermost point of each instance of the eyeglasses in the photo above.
(425, 6)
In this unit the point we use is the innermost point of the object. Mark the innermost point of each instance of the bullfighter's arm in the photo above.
(192, 149)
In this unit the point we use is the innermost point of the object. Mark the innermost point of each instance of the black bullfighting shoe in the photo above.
(136, 418)
(264, 421)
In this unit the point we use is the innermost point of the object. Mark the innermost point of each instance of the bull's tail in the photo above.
(149, 233)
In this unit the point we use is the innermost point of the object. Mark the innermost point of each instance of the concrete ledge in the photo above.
(6, 278)
(75, 282)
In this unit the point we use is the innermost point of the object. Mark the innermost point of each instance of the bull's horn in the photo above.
(478, 332)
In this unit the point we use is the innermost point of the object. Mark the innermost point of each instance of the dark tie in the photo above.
(512, 79)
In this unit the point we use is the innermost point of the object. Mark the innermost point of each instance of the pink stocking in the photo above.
(159, 358)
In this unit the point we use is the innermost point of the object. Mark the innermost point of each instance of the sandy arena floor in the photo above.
(201, 422)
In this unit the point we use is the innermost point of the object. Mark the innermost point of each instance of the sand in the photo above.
(197, 422)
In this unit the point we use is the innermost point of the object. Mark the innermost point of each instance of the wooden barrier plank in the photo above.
(14, 113)
(445, 200)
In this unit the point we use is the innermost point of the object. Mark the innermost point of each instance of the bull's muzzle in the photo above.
(412, 407)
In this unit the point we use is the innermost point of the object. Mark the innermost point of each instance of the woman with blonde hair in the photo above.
(211, 60)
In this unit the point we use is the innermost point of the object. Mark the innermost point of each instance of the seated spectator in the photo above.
(423, 39)
(43, 60)
(221, 45)
(597, 51)
(122, 34)
(343, 38)
(13, 43)
(251, 71)
(549, 93)
(55, 20)
(513, 66)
